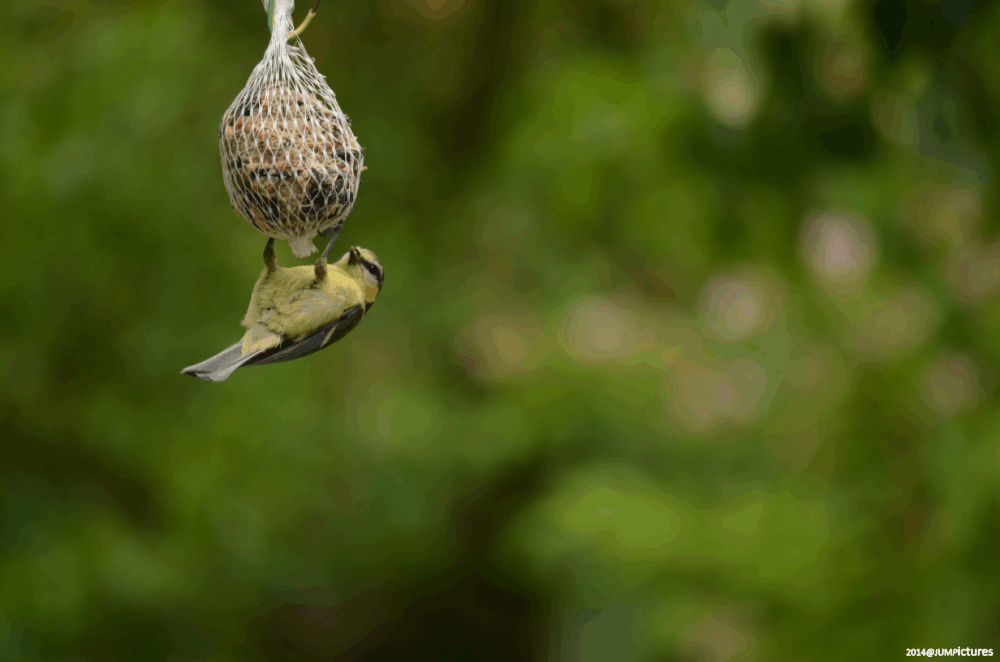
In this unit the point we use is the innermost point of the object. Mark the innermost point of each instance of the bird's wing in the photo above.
(315, 341)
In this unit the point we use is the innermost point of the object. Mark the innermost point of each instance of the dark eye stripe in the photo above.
(373, 270)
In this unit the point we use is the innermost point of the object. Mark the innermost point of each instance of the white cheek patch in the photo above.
(371, 280)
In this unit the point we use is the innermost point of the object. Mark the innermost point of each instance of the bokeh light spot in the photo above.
(839, 250)
(973, 271)
(896, 326)
(705, 396)
(498, 346)
(936, 214)
(729, 93)
(724, 394)
(598, 330)
(511, 345)
(950, 385)
(735, 310)
(741, 304)
(719, 636)
(842, 74)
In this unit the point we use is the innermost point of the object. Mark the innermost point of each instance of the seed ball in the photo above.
(291, 164)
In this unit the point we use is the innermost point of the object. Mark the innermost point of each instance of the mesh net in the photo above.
(289, 158)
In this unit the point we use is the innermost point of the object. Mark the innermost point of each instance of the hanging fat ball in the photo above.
(300, 310)
(290, 161)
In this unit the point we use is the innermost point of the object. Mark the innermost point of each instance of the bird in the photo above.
(296, 311)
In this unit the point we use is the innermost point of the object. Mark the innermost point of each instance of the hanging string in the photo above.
(297, 31)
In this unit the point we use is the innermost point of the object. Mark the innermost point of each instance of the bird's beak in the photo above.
(355, 256)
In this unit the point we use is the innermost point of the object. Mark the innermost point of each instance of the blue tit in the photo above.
(296, 311)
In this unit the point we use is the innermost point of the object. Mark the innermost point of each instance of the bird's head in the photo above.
(365, 268)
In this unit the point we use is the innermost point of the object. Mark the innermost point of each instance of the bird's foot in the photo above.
(269, 259)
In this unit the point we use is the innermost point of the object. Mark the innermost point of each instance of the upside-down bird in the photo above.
(299, 310)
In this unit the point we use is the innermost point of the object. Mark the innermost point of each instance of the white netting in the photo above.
(289, 158)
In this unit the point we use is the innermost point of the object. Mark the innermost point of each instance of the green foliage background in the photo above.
(687, 348)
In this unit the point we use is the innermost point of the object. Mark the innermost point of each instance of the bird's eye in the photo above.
(372, 269)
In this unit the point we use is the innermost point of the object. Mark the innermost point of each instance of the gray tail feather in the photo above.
(220, 366)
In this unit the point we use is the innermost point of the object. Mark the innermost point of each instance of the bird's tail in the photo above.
(220, 366)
